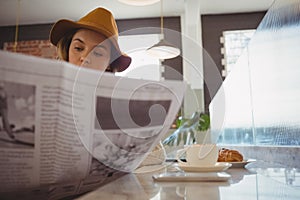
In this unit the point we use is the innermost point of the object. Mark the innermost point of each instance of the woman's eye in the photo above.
(78, 48)
(97, 53)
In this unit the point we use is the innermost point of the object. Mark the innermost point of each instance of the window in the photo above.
(259, 101)
(234, 42)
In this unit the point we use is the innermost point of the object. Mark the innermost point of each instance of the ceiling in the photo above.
(49, 11)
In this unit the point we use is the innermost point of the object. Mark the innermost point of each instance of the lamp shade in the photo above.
(139, 2)
(163, 50)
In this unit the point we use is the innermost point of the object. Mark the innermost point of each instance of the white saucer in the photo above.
(219, 166)
(241, 164)
(149, 168)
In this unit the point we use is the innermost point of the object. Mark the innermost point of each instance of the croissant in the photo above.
(228, 155)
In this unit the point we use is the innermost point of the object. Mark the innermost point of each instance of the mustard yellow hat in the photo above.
(101, 21)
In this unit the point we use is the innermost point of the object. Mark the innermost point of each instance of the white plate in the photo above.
(241, 164)
(220, 166)
(149, 168)
(187, 176)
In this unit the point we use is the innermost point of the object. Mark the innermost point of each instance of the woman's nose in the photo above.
(84, 59)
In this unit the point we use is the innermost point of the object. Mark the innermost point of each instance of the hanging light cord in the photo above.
(161, 19)
(17, 26)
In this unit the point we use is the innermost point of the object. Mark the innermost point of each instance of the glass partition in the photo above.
(261, 95)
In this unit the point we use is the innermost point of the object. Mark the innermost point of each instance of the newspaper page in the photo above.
(65, 130)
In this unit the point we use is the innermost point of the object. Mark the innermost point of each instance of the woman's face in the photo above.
(90, 49)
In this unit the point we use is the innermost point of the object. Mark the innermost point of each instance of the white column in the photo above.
(192, 57)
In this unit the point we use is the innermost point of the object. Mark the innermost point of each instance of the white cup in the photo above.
(199, 155)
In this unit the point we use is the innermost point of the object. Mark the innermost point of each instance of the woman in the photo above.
(90, 42)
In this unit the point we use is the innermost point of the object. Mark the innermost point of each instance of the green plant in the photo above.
(204, 122)
(180, 121)
(187, 128)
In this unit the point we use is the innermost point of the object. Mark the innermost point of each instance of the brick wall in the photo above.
(40, 48)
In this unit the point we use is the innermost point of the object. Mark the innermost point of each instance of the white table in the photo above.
(261, 183)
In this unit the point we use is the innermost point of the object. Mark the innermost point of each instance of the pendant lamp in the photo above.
(139, 2)
(163, 49)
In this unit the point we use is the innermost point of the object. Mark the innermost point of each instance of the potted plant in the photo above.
(191, 130)
(203, 129)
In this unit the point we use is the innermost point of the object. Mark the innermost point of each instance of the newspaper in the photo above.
(70, 129)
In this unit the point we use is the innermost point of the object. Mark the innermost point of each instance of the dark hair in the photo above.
(63, 45)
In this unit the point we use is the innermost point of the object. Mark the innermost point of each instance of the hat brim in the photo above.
(120, 61)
